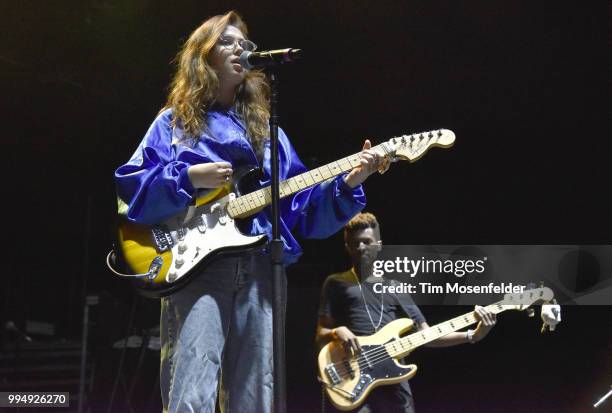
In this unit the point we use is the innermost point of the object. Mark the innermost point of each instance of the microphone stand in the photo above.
(276, 254)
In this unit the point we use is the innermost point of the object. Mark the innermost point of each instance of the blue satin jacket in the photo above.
(155, 185)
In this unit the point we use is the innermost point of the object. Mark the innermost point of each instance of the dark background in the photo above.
(523, 85)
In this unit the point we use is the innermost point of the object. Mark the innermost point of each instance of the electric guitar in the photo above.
(349, 378)
(162, 258)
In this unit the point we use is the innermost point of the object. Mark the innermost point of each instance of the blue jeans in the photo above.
(219, 328)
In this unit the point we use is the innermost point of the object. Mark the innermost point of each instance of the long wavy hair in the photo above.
(195, 84)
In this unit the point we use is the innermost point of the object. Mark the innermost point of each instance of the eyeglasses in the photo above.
(229, 42)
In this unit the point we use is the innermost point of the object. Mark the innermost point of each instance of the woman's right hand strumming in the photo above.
(210, 175)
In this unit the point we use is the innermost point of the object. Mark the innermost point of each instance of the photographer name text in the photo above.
(447, 288)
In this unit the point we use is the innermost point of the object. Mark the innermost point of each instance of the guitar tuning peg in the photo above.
(530, 312)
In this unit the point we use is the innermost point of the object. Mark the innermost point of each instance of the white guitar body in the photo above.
(201, 232)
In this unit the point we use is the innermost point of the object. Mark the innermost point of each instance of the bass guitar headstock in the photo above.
(522, 301)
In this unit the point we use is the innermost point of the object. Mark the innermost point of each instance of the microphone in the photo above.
(10, 326)
(250, 60)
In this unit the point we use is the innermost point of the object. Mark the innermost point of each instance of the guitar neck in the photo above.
(405, 345)
(253, 202)
(405, 147)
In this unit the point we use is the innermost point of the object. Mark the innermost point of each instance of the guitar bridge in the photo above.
(163, 240)
(332, 374)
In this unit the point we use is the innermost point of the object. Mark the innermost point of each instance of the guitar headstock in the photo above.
(412, 147)
(524, 300)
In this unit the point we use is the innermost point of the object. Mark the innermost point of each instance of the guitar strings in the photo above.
(262, 196)
(467, 318)
(381, 354)
(381, 349)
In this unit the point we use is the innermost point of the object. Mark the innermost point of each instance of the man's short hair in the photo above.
(360, 222)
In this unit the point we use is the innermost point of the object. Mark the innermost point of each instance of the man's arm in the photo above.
(451, 339)
(487, 322)
(326, 332)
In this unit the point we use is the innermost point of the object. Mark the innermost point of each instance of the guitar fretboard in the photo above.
(408, 147)
(403, 346)
(249, 204)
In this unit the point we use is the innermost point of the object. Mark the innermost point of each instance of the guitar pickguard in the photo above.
(184, 243)
(373, 364)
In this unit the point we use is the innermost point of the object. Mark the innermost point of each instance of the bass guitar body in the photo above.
(349, 378)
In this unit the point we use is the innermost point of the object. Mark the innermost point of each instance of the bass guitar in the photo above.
(349, 378)
(163, 258)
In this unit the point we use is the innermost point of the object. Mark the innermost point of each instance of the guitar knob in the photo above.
(171, 277)
(182, 247)
(179, 262)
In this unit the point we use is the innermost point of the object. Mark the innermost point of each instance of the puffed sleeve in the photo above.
(322, 210)
(152, 183)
